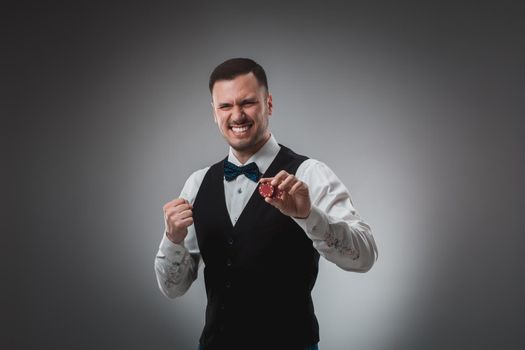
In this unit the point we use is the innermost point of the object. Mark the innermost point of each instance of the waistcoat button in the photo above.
(230, 240)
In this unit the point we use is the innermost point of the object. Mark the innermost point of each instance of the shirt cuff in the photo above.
(315, 225)
(172, 251)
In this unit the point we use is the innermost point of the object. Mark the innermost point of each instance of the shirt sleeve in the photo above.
(335, 227)
(177, 265)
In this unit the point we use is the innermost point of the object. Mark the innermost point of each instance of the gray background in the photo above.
(417, 107)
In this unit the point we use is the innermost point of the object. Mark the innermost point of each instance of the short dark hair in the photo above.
(230, 69)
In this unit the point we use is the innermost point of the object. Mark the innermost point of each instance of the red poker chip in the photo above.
(267, 190)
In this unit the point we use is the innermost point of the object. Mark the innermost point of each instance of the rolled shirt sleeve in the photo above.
(177, 265)
(334, 225)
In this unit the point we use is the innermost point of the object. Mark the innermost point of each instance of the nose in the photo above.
(238, 113)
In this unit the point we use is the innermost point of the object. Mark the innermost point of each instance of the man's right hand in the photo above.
(177, 217)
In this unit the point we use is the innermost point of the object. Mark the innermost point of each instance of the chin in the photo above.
(245, 143)
(240, 145)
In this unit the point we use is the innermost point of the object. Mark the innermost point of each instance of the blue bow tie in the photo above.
(231, 171)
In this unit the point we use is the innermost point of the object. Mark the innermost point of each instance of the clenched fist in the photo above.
(177, 217)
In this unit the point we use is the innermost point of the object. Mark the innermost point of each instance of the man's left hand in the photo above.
(295, 198)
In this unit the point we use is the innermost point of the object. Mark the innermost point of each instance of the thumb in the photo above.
(276, 203)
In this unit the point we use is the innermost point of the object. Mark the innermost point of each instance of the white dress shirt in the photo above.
(334, 226)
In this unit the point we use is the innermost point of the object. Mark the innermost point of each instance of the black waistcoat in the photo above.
(258, 274)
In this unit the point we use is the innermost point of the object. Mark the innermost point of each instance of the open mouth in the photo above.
(240, 130)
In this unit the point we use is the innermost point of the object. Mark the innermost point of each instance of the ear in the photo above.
(269, 102)
(213, 112)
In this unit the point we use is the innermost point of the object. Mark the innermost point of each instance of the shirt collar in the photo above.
(264, 156)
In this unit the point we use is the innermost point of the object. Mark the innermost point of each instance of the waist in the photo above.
(275, 346)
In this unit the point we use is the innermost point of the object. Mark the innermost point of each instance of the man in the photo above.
(260, 253)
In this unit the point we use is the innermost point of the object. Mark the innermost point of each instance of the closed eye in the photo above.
(244, 103)
(248, 102)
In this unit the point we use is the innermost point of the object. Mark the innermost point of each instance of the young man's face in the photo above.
(241, 108)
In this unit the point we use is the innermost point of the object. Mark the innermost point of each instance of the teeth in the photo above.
(239, 129)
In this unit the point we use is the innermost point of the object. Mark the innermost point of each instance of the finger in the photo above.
(296, 187)
(281, 175)
(288, 183)
(179, 201)
(275, 202)
(184, 222)
(188, 221)
(184, 205)
(185, 214)
(184, 201)
(178, 209)
(174, 202)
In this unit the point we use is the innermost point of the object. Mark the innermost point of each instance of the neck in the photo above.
(244, 155)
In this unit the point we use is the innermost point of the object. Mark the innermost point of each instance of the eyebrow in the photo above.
(243, 101)
(249, 99)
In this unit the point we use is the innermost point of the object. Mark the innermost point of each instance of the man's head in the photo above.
(234, 67)
(241, 104)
